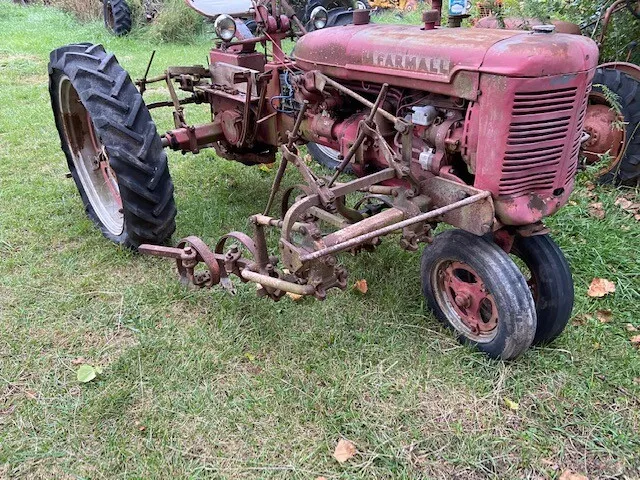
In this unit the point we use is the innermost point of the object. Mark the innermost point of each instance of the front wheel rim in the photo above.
(465, 300)
(90, 159)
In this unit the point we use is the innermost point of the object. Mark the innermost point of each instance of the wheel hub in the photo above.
(469, 299)
(600, 123)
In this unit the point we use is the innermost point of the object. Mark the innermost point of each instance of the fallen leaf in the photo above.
(86, 373)
(571, 475)
(361, 286)
(308, 158)
(635, 340)
(265, 167)
(321, 478)
(631, 328)
(625, 228)
(511, 404)
(78, 361)
(344, 450)
(604, 316)
(249, 356)
(590, 186)
(637, 217)
(596, 210)
(580, 320)
(624, 203)
(294, 296)
(600, 287)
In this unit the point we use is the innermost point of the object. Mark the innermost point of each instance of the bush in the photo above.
(622, 29)
(176, 22)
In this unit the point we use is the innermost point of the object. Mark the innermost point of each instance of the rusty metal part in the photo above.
(277, 284)
(189, 252)
(285, 159)
(605, 137)
(428, 216)
(467, 295)
(355, 96)
(361, 133)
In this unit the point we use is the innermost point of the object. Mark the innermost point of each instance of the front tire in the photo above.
(113, 150)
(550, 282)
(475, 289)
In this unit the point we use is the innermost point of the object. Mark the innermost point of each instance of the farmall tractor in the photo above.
(478, 129)
(613, 113)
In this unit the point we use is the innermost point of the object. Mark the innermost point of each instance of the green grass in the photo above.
(198, 384)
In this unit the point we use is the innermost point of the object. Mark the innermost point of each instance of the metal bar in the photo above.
(277, 223)
(267, 281)
(357, 97)
(169, 103)
(383, 219)
(283, 162)
(361, 134)
(328, 217)
(354, 242)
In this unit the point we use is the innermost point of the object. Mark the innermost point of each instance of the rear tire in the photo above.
(627, 170)
(113, 150)
(326, 156)
(551, 284)
(475, 289)
(117, 16)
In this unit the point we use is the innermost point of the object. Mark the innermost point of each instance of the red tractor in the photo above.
(478, 129)
(613, 115)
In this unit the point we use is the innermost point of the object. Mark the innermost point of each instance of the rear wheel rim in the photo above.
(466, 301)
(90, 159)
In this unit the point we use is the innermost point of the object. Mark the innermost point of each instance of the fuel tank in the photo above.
(444, 60)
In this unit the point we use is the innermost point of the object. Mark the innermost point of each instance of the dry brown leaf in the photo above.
(580, 320)
(596, 210)
(78, 361)
(600, 287)
(344, 450)
(590, 186)
(321, 478)
(635, 340)
(361, 286)
(604, 316)
(637, 217)
(623, 203)
(294, 296)
(631, 328)
(571, 475)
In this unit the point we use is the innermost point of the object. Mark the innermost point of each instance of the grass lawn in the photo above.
(198, 384)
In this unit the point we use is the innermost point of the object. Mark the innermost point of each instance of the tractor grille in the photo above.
(540, 133)
(575, 152)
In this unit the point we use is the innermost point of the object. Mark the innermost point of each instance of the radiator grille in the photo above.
(539, 135)
(575, 152)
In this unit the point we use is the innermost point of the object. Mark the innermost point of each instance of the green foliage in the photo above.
(176, 22)
(622, 29)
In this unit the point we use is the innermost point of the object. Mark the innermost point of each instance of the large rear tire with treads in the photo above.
(113, 150)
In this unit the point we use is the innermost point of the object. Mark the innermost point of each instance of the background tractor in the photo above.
(477, 129)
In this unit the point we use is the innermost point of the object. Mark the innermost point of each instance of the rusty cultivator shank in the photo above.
(479, 129)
